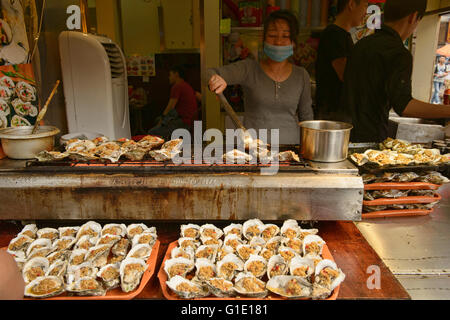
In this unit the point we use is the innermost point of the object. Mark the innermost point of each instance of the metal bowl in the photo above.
(19, 143)
(324, 141)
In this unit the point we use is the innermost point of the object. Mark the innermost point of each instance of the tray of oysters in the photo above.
(252, 260)
(91, 261)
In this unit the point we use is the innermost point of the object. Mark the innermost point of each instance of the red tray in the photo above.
(396, 213)
(117, 293)
(168, 294)
(401, 186)
(402, 200)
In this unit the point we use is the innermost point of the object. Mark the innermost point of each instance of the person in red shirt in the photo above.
(181, 111)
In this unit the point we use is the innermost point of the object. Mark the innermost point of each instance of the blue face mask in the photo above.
(278, 53)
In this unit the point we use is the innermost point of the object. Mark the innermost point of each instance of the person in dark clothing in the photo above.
(378, 76)
(334, 48)
(181, 111)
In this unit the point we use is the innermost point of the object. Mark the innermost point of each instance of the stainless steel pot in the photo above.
(324, 141)
(19, 143)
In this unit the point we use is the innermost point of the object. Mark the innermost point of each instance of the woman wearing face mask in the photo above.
(277, 94)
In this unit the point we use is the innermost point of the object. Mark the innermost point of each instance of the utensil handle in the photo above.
(44, 110)
(229, 110)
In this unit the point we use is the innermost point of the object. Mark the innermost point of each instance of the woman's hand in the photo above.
(217, 84)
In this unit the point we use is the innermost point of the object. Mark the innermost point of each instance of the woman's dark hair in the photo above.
(395, 10)
(181, 70)
(287, 16)
(342, 4)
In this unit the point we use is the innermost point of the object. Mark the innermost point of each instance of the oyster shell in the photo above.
(228, 266)
(144, 238)
(178, 266)
(312, 246)
(29, 230)
(134, 229)
(234, 228)
(48, 233)
(256, 265)
(328, 275)
(288, 156)
(294, 243)
(237, 156)
(304, 232)
(77, 257)
(45, 155)
(98, 255)
(19, 243)
(223, 251)
(207, 252)
(82, 270)
(131, 272)
(204, 269)
(121, 247)
(76, 146)
(187, 253)
(248, 285)
(277, 266)
(302, 267)
(108, 239)
(188, 242)
(287, 253)
(140, 251)
(110, 274)
(86, 242)
(44, 287)
(257, 242)
(68, 231)
(233, 240)
(245, 250)
(34, 268)
(220, 287)
(190, 231)
(290, 229)
(64, 243)
(252, 228)
(210, 230)
(269, 231)
(87, 286)
(290, 287)
(274, 243)
(38, 244)
(90, 228)
(57, 269)
(150, 142)
(114, 229)
(186, 289)
(109, 150)
(211, 241)
(267, 253)
(41, 252)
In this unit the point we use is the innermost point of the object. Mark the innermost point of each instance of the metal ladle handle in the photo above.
(229, 110)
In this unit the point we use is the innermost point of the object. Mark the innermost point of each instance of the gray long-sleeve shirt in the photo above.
(269, 104)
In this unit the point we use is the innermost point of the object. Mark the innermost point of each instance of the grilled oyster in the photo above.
(45, 155)
(90, 228)
(248, 285)
(294, 243)
(64, 243)
(82, 270)
(258, 242)
(178, 266)
(327, 277)
(190, 231)
(256, 265)
(98, 255)
(38, 244)
(57, 269)
(210, 230)
(245, 250)
(86, 242)
(290, 287)
(274, 243)
(269, 231)
(87, 286)
(34, 268)
(290, 229)
(44, 287)
(220, 287)
(187, 253)
(19, 245)
(121, 247)
(29, 230)
(211, 241)
(114, 229)
(312, 246)
(287, 253)
(140, 251)
(304, 232)
(288, 156)
(302, 267)
(77, 257)
(277, 266)
(223, 251)
(267, 253)
(204, 269)
(48, 233)
(229, 266)
(145, 238)
(131, 272)
(207, 251)
(237, 156)
(188, 242)
(110, 151)
(233, 240)
(108, 239)
(68, 231)
(234, 228)
(135, 229)
(110, 274)
(186, 289)
(150, 142)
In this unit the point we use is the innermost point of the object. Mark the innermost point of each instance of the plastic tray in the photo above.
(168, 294)
(401, 186)
(396, 213)
(402, 200)
(117, 293)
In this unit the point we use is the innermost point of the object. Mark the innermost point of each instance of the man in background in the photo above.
(334, 48)
(182, 109)
(378, 76)
(440, 73)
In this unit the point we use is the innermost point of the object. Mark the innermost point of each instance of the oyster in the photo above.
(90, 228)
(277, 266)
(290, 287)
(150, 142)
(186, 289)
(234, 228)
(173, 145)
(45, 155)
(312, 246)
(116, 258)
(269, 231)
(223, 251)
(290, 229)
(34, 268)
(207, 252)
(64, 243)
(257, 242)
(190, 231)
(237, 156)
(205, 269)
(121, 247)
(44, 287)
(327, 277)
(131, 272)
(68, 231)
(140, 251)
(38, 244)
(162, 155)
(114, 229)
(288, 156)
(228, 266)
(274, 243)
(245, 250)
(302, 267)
(110, 151)
(220, 287)
(287, 253)
(144, 238)
(41, 252)
(98, 255)
(211, 241)
(267, 253)
(209, 230)
(304, 232)
(233, 241)
(248, 285)
(19, 244)
(48, 233)
(252, 228)
(256, 265)
(110, 274)
(135, 229)
(359, 159)
(87, 286)
(77, 257)
(86, 242)
(188, 242)
(76, 146)
(108, 239)
(29, 230)
(294, 243)
(187, 253)
(178, 266)
(57, 269)
(100, 140)
(76, 272)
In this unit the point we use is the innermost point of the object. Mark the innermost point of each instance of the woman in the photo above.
(277, 94)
